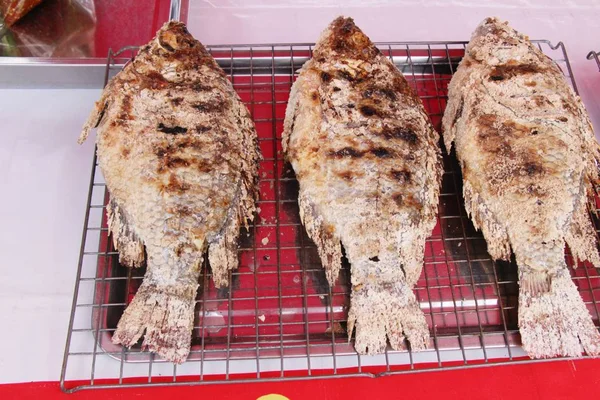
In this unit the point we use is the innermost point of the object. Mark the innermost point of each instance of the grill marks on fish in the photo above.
(527, 151)
(173, 156)
(349, 152)
(367, 162)
(184, 174)
(509, 71)
(406, 134)
(173, 130)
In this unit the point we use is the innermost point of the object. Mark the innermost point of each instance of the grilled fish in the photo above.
(179, 154)
(369, 167)
(529, 160)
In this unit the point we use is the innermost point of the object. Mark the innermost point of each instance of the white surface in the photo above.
(44, 174)
(44, 177)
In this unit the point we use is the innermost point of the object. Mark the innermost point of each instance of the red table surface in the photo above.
(546, 380)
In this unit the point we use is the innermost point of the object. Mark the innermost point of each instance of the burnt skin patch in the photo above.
(175, 162)
(402, 133)
(367, 110)
(531, 83)
(342, 74)
(172, 130)
(389, 93)
(125, 152)
(540, 100)
(567, 106)
(186, 141)
(183, 210)
(179, 249)
(209, 106)
(400, 85)
(492, 138)
(175, 185)
(325, 77)
(345, 175)
(508, 71)
(346, 152)
(168, 162)
(155, 80)
(382, 152)
(336, 89)
(530, 168)
(398, 198)
(314, 96)
(198, 87)
(377, 92)
(402, 176)
(177, 101)
(126, 109)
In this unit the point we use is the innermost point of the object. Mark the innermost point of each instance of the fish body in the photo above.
(179, 154)
(369, 167)
(529, 160)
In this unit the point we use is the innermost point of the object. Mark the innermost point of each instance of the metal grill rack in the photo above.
(279, 319)
(594, 55)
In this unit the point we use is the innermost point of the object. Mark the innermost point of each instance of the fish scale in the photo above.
(179, 153)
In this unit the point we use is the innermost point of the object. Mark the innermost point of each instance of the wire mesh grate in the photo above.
(279, 318)
(594, 55)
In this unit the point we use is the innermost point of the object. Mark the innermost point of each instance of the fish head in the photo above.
(494, 42)
(174, 56)
(342, 39)
(174, 37)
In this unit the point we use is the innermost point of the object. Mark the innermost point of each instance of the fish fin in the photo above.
(125, 240)
(553, 319)
(291, 112)
(324, 236)
(581, 236)
(95, 117)
(498, 243)
(248, 191)
(386, 311)
(166, 314)
(223, 252)
(453, 120)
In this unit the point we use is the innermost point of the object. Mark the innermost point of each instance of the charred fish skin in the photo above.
(179, 153)
(529, 161)
(369, 167)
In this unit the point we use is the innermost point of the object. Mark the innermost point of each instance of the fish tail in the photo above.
(386, 310)
(553, 319)
(166, 314)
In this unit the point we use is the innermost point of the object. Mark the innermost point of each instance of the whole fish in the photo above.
(529, 160)
(369, 167)
(179, 153)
